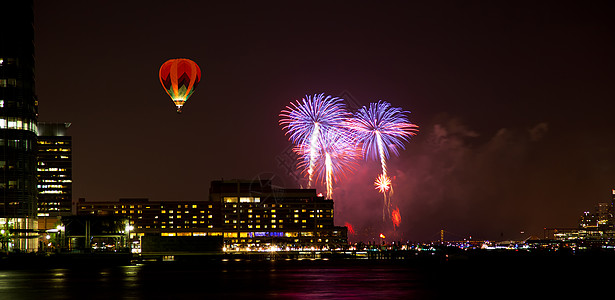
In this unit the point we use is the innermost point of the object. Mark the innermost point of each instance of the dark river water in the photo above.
(221, 280)
(308, 279)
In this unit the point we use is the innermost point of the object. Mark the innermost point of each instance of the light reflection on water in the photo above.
(218, 280)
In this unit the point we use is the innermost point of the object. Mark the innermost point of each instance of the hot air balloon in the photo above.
(179, 77)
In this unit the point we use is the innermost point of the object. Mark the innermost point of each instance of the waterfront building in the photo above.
(54, 173)
(249, 215)
(175, 218)
(257, 214)
(18, 127)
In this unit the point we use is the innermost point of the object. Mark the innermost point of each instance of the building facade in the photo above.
(18, 125)
(54, 172)
(249, 215)
(257, 214)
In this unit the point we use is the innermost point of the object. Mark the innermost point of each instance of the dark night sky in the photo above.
(515, 102)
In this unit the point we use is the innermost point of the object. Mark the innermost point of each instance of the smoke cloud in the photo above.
(452, 178)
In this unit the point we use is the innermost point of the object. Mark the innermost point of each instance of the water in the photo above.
(312, 279)
(232, 279)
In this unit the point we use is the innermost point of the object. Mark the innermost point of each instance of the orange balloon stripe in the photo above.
(163, 73)
(174, 78)
(194, 78)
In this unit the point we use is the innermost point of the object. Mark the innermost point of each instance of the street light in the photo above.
(127, 231)
(60, 229)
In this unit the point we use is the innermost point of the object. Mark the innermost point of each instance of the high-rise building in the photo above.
(18, 128)
(54, 173)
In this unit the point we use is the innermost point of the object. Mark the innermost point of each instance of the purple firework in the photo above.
(380, 129)
(308, 120)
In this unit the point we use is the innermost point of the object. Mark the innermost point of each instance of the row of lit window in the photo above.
(51, 186)
(52, 192)
(18, 123)
(51, 169)
(257, 221)
(265, 207)
(58, 150)
(9, 82)
(55, 181)
(194, 217)
(12, 184)
(180, 226)
(17, 144)
(48, 203)
(242, 199)
(43, 142)
(186, 206)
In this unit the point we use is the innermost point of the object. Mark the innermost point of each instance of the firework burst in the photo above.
(313, 125)
(381, 130)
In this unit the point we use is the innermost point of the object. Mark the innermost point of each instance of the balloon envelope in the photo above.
(179, 77)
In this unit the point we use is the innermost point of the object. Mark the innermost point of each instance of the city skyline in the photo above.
(513, 101)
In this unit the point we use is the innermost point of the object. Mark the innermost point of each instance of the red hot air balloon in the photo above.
(179, 77)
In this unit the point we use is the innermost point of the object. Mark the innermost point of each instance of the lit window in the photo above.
(230, 199)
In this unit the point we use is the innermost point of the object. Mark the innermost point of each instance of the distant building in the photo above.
(247, 214)
(18, 129)
(54, 171)
(600, 219)
(594, 228)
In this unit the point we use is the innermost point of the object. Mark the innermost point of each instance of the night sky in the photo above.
(515, 102)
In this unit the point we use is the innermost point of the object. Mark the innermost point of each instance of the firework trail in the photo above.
(338, 147)
(350, 228)
(396, 217)
(310, 122)
(382, 129)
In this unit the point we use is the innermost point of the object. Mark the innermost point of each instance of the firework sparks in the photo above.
(341, 155)
(314, 124)
(396, 217)
(383, 183)
(382, 129)
(350, 228)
